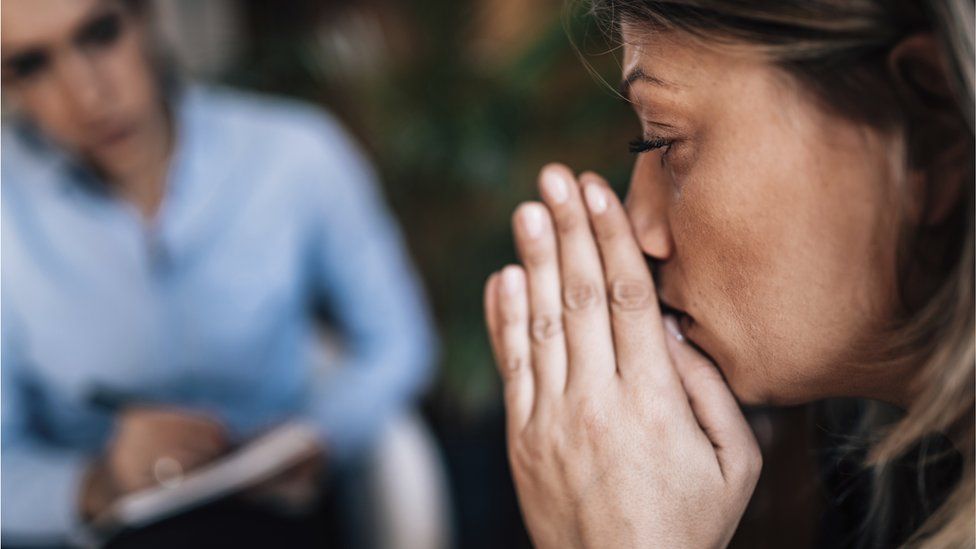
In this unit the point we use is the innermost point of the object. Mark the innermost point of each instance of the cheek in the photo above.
(46, 105)
(130, 74)
(723, 261)
(785, 258)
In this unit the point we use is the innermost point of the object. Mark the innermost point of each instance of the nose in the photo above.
(81, 85)
(647, 203)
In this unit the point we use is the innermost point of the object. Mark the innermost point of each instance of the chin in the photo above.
(757, 392)
(747, 395)
(746, 374)
(750, 388)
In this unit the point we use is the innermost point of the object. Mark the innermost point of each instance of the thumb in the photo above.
(714, 406)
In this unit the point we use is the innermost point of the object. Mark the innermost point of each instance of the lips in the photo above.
(685, 320)
(672, 308)
(669, 309)
(685, 323)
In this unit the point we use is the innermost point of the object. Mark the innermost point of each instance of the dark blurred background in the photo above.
(458, 104)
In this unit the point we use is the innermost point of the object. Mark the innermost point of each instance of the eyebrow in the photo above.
(638, 75)
(94, 13)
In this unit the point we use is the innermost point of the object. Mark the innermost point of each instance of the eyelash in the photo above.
(27, 66)
(641, 145)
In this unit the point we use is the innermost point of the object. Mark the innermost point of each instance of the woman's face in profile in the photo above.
(773, 222)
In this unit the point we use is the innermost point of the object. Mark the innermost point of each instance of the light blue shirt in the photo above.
(270, 215)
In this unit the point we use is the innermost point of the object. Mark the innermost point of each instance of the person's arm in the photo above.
(41, 482)
(363, 272)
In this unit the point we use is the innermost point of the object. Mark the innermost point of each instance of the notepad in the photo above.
(257, 461)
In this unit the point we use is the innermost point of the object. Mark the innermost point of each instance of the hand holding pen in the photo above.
(150, 445)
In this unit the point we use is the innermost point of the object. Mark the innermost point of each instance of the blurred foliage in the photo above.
(458, 137)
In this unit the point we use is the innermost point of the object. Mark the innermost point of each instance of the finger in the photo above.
(188, 441)
(189, 458)
(515, 349)
(203, 444)
(205, 431)
(185, 419)
(513, 374)
(714, 406)
(190, 429)
(638, 333)
(536, 242)
(589, 341)
(491, 313)
(200, 436)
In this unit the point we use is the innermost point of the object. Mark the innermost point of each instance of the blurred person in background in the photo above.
(175, 243)
(799, 226)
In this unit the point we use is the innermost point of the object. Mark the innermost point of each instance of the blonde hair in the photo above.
(839, 49)
(944, 337)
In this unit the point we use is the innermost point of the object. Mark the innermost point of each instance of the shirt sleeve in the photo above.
(375, 299)
(39, 482)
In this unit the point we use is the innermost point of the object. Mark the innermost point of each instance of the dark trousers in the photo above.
(341, 519)
(235, 523)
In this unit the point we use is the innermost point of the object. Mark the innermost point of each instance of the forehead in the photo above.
(32, 22)
(680, 60)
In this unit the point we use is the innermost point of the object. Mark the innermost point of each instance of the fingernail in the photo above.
(555, 186)
(532, 221)
(596, 199)
(671, 325)
(511, 280)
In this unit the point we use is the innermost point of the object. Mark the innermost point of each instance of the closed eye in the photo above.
(641, 145)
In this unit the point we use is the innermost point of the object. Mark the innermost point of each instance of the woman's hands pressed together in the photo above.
(620, 434)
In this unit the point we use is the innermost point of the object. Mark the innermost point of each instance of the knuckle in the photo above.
(511, 365)
(545, 327)
(510, 316)
(538, 256)
(580, 294)
(607, 231)
(591, 418)
(527, 448)
(568, 222)
(630, 294)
